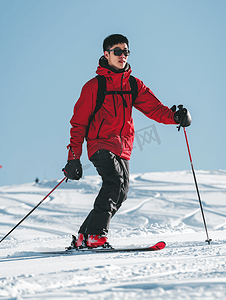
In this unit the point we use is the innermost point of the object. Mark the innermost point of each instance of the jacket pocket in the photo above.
(100, 128)
(114, 105)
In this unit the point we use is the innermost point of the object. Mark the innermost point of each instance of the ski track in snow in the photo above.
(160, 206)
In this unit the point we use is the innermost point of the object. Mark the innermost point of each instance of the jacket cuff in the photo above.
(72, 153)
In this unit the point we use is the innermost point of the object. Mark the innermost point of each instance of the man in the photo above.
(110, 135)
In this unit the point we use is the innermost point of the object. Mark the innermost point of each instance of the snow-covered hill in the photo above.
(160, 206)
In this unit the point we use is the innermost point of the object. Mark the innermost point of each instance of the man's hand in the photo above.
(181, 116)
(73, 169)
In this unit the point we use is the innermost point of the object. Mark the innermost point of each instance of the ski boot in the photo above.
(94, 241)
(85, 242)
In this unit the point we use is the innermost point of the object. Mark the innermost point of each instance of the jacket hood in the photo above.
(118, 77)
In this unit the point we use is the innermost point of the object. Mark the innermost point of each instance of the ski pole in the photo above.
(32, 209)
(196, 185)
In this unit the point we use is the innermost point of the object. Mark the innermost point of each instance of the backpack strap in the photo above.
(100, 99)
(101, 92)
(133, 91)
(134, 87)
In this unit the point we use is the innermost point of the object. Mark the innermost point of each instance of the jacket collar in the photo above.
(118, 77)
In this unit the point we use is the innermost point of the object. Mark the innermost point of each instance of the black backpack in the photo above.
(101, 92)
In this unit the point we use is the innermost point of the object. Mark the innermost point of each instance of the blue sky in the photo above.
(50, 48)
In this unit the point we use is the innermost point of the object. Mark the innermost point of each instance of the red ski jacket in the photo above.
(112, 127)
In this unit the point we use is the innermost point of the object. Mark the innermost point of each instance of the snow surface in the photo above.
(160, 206)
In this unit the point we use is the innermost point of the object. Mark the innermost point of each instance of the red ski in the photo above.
(156, 247)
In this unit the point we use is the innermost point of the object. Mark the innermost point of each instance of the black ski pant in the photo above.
(114, 172)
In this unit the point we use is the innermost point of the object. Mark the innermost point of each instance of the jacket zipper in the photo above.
(123, 100)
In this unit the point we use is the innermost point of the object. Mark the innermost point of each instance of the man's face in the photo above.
(117, 62)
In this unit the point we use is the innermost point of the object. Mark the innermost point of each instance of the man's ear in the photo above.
(106, 54)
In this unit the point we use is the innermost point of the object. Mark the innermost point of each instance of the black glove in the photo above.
(73, 169)
(181, 116)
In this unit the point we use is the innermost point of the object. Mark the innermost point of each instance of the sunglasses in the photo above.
(118, 51)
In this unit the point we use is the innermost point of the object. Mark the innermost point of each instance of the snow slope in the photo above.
(160, 206)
